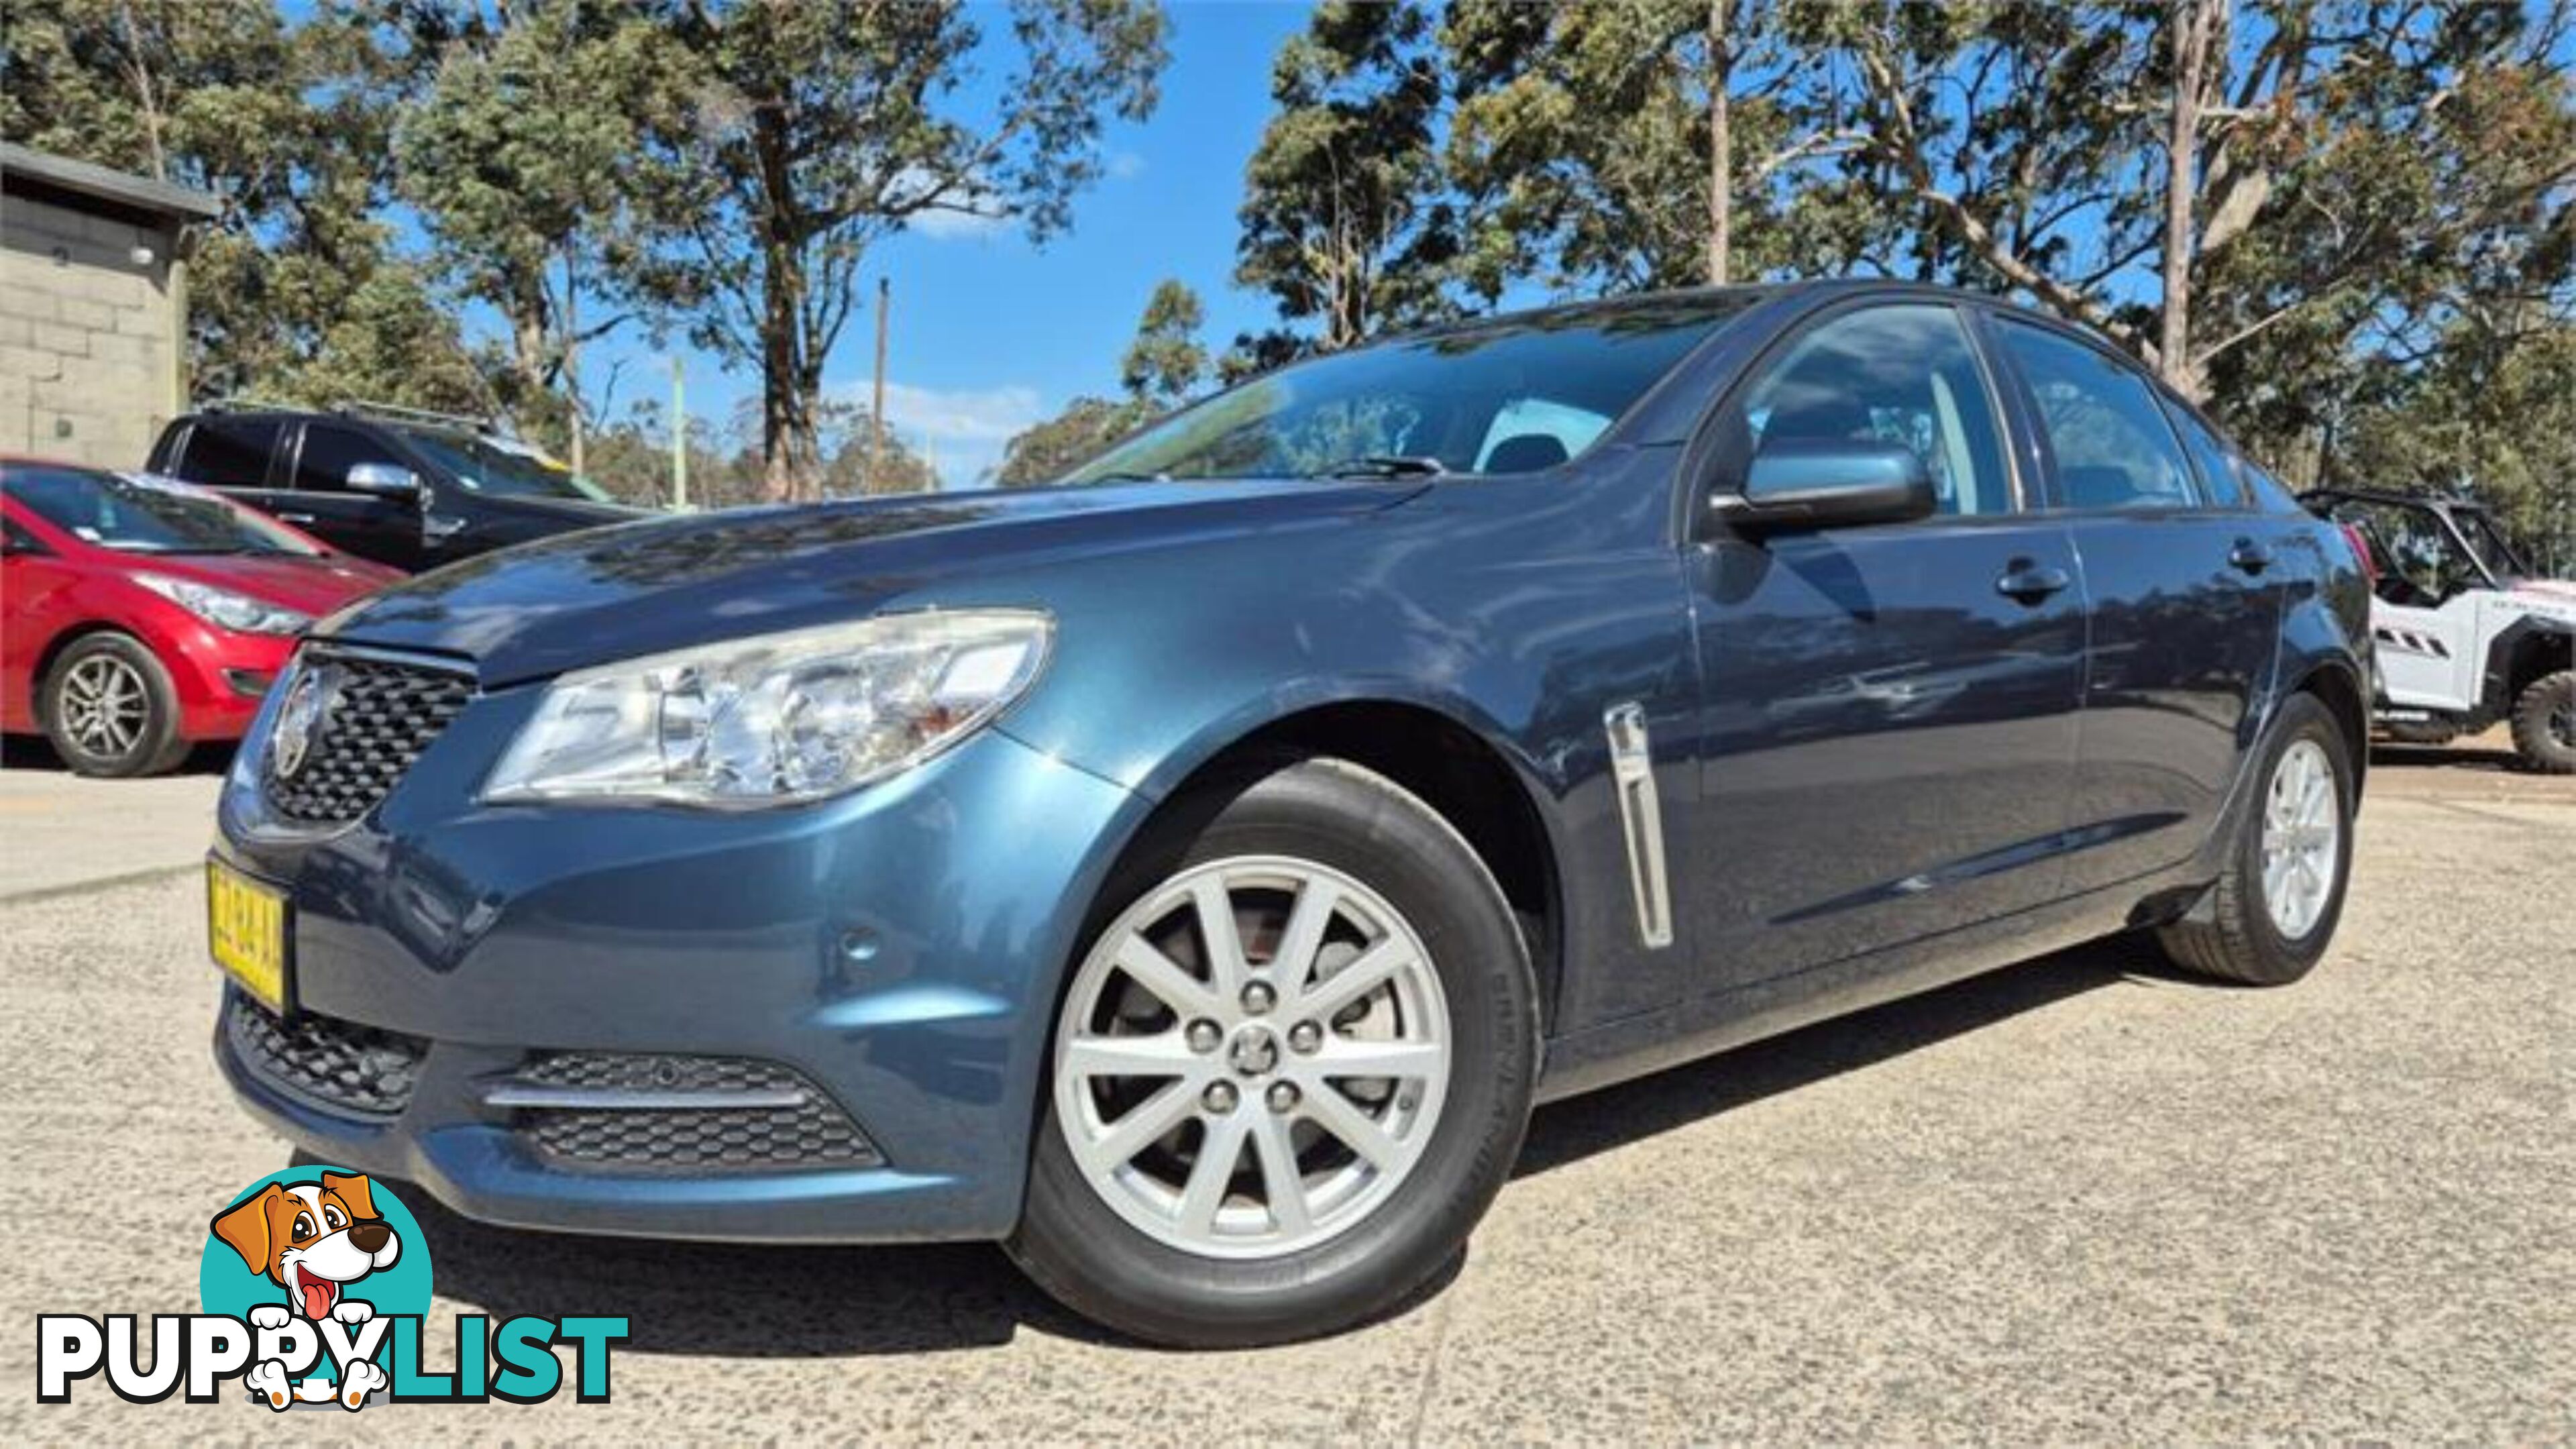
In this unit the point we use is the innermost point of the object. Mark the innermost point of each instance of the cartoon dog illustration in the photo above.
(313, 1240)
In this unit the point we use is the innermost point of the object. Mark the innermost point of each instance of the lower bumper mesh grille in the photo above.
(324, 1062)
(784, 1122)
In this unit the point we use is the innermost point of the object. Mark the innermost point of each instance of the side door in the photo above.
(1889, 736)
(2185, 604)
(34, 580)
(382, 527)
(237, 454)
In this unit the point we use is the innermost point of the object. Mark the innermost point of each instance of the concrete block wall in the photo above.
(88, 342)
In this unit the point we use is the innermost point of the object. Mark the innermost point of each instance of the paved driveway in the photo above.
(2079, 1200)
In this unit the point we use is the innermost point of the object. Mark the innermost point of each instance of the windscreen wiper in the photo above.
(1384, 465)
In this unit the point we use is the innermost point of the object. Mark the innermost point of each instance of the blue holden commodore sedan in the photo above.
(1191, 875)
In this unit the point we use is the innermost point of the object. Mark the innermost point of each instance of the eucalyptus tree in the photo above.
(814, 131)
(1345, 219)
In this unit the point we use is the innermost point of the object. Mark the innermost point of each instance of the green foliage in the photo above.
(815, 130)
(1581, 142)
(1073, 437)
(515, 153)
(630, 457)
(1344, 221)
(1164, 365)
(1166, 362)
(297, 289)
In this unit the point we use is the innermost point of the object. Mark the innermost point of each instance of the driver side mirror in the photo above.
(383, 480)
(1801, 483)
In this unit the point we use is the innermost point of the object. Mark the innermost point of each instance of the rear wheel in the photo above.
(2274, 908)
(2544, 723)
(110, 710)
(1289, 1074)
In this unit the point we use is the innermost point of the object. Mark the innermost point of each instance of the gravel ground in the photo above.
(2079, 1200)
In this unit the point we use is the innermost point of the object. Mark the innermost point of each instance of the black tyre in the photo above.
(1281, 1134)
(110, 710)
(2275, 905)
(2544, 724)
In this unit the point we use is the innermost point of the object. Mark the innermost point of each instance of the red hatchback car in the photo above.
(139, 616)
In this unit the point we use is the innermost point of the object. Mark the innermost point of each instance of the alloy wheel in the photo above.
(105, 706)
(2302, 838)
(1252, 1058)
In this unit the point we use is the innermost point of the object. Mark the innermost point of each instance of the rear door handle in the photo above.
(2030, 582)
(2249, 556)
(298, 519)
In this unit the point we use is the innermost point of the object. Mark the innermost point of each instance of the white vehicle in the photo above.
(2465, 635)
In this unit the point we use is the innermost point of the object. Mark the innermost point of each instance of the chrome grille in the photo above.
(376, 717)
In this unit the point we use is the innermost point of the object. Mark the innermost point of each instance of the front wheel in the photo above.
(1288, 1075)
(110, 710)
(2544, 724)
(2274, 908)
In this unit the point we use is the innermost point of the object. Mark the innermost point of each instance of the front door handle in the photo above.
(2249, 556)
(298, 519)
(2030, 582)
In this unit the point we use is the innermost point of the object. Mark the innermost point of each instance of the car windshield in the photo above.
(499, 465)
(139, 513)
(1512, 396)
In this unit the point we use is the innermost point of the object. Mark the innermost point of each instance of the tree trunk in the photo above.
(572, 358)
(2191, 23)
(1721, 157)
(786, 419)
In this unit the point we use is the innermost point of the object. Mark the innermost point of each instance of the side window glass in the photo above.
(2270, 493)
(2218, 481)
(322, 466)
(2114, 448)
(229, 452)
(1899, 374)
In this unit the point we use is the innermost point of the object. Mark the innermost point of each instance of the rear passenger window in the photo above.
(1896, 374)
(2218, 481)
(323, 464)
(229, 452)
(2114, 448)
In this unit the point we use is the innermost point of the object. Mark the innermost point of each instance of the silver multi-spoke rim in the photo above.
(2302, 838)
(105, 706)
(1252, 1057)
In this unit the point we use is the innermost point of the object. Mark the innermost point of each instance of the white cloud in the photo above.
(956, 225)
(1125, 165)
(960, 415)
(962, 429)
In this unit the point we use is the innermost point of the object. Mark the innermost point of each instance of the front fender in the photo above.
(1520, 613)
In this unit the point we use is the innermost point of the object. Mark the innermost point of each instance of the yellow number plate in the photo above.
(246, 930)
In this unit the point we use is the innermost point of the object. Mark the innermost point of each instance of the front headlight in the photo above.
(776, 719)
(223, 608)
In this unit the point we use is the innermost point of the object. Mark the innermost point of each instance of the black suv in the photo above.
(413, 490)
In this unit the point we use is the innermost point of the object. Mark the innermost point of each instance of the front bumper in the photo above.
(899, 948)
(220, 678)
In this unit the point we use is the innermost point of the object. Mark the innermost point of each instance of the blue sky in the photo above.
(990, 333)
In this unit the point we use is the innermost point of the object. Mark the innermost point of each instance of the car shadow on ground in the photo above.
(813, 1302)
(34, 752)
(2462, 757)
